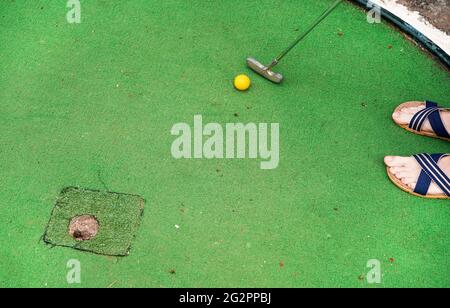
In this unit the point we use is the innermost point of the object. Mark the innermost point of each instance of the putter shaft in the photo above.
(304, 34)
(266, 71)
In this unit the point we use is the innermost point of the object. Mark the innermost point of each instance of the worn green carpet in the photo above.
(92, 105)
(118, 216)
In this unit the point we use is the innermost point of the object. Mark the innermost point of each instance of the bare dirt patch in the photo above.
(83, 228)
(436, 12)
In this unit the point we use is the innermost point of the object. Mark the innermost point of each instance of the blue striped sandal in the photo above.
(430, 173)
(432, 112)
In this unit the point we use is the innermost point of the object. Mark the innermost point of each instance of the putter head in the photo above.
(264, 71)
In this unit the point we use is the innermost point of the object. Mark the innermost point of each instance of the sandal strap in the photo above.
(432, 112)
(431, 173)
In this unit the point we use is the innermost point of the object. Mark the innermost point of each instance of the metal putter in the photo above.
(266, 71)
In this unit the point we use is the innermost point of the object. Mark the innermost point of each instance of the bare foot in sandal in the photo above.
(411, 174)
(413, 117)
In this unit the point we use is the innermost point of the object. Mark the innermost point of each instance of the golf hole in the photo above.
(83, 228)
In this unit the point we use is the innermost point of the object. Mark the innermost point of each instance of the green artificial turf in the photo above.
(118, 216)
(92, 105)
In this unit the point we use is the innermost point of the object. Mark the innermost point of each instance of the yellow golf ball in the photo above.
(242, 82)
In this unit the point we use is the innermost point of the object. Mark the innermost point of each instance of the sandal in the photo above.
(430, 173)
(432, 112)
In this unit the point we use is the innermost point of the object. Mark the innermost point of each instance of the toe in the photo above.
(408, 180)
(412, 185)
(402, 174)
(404, 115)
(395, 170)
(397, 161)
(402, 118)
(388, 160)
(412, 110)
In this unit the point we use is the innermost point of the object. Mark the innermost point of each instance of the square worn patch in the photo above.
(99, 222)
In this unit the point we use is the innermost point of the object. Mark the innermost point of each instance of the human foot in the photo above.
(410, 175)
(405, 116)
